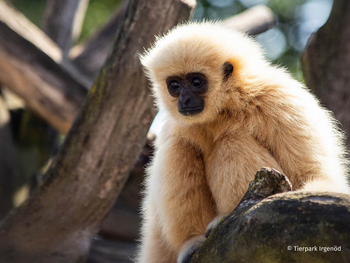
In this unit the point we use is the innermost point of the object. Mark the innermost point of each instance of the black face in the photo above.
(190, 91)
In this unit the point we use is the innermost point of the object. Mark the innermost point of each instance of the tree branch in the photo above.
(253, 21)
(123, 221)
(31, 65)
(63, 20)
(90, 55)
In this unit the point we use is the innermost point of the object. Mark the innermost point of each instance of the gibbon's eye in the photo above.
(196, 82)
(174, 85)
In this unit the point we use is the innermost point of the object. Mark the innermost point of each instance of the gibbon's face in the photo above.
(196, 69)
(190, 90)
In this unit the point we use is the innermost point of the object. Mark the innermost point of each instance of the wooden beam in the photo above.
(62, 21)
(253, 21)
(32, 66)
(90, 55)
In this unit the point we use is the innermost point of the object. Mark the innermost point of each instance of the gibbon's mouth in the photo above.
(191, 111)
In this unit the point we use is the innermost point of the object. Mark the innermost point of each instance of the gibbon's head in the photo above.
(195, 69)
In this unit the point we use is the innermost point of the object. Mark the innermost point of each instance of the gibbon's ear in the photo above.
(227, 69)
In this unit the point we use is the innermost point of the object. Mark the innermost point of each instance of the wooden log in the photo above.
(272, 229)
(31, 65)
(59, 221)
(325, 64)
(63, 20)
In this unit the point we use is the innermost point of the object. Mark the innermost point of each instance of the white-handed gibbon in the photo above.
(229, 113)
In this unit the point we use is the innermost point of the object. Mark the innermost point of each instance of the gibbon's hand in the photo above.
(189, 248)
(213, 224)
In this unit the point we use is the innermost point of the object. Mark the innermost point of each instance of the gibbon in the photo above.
(229, 113)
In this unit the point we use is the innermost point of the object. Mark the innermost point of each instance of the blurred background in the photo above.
(283, 44)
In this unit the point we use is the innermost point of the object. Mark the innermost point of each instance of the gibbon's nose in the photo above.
(185, 99)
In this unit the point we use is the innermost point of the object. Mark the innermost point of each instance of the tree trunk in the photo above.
(111, 251)
(59, 221)
(326, 61)
(281, 227)
(123, 221)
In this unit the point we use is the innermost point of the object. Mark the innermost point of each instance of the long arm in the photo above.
(178, 196)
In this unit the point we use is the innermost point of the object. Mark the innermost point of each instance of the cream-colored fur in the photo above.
(259, 117)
